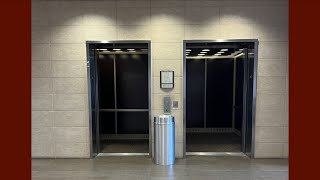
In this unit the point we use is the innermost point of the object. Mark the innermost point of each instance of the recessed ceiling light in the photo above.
(130, 49)
(201, 54)
(205, 49)
(102, 49)
(220, 52)
(116, 49)
(224, 50)
(188, 49)
(217, 54)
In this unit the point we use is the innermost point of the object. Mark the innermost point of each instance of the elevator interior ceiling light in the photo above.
(130, 49)
(201, 54)
(217, 54)
(205, 49)
(102, 49)
(220, 52)
(223, 50)
(116, 49)
(188, 50)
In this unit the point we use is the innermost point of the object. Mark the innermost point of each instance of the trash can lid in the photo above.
(164, 119)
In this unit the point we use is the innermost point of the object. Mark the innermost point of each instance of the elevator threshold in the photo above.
(122, 154)
(238, 154)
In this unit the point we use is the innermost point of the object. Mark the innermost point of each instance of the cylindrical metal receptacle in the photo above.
(164, 143)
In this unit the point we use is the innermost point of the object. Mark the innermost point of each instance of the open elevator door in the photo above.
(119, 97)
(211, 70)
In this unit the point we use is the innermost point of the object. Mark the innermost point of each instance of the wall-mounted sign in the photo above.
(166, 79)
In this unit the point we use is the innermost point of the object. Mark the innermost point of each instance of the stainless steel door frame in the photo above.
(244, 99)
(254, 87)
(88, 43)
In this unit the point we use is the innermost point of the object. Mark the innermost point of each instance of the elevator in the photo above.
(119, 97)
(219, 96)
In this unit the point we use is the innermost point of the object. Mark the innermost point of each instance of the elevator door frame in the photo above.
(254, 92)
(92, 155)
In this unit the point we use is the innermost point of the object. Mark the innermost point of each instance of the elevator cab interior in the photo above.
(219, 93)
(119, 97)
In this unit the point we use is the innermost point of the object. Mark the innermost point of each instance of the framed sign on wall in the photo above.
(167, 79)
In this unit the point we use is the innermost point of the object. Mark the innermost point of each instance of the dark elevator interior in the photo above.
(119, 83)
(219, 79)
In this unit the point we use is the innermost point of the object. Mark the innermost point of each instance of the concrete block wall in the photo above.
(59, 78)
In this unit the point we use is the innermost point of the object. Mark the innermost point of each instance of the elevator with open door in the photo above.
(119, 97)
(219, 97)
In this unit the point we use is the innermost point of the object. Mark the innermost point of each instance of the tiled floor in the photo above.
(142, 168)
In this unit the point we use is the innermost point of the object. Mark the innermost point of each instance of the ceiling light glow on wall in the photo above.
(205, 49)
(223, 50)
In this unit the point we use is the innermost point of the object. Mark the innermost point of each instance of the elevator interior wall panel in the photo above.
(132, 81)
(106, 81)
(133, 123)
(107, 122)
(239, 93)
(219, 96)
(195, 92)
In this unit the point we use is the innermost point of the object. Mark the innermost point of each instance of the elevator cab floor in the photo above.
(125, 146)
(213, 142)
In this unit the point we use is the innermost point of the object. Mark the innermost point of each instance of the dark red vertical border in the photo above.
(304, 89)
(15, 91)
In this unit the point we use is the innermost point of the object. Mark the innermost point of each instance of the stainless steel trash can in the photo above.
(164, 140)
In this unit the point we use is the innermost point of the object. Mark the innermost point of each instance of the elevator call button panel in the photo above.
(166, 105)
(166, 79)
